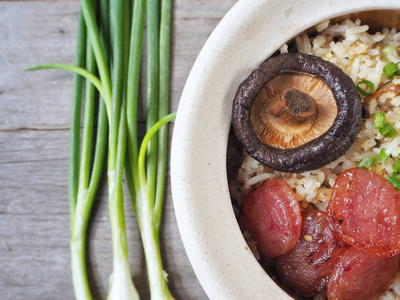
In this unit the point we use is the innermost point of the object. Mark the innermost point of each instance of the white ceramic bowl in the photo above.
(250, 32)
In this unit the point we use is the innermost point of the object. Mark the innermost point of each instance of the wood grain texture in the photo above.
(34, 137)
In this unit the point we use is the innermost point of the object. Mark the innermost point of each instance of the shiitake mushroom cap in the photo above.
(318, 152)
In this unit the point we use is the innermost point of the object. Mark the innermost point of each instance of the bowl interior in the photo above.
(376, 19)
(250, 33)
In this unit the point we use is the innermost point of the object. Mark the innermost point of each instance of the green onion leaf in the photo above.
(388, 131)
(367, 162)
(391, 70)
(365, 87)
(380, 120)
(396, 166)
(383, 156)
(387, 50)
(394, 179)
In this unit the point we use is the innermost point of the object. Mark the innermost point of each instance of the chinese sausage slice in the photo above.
(272, 216)
(364, 210)
(359, 276)
(306, 269)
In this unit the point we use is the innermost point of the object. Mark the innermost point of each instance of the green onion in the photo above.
(146, 171)
(111, 46)
(84, 177)
(164, 91)
(75, 129)
(383, 156)
(153, 41)
(385, 129)
(380, 120)
(396, 166)
(365, 87)
(121, 285)
(391, 70)
(367, 162)
(388, 131)
(387, 50)
(78, 254)
(394, 179)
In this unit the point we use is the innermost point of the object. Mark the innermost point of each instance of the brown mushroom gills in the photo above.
(293, 109)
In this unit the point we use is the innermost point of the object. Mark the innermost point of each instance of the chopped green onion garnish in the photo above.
(367, 162)
(394, 179)
(388, 131)
(396, 166)
(383, 156)
(391, 70)
(365, 87)
(380, 120)
(387, 50)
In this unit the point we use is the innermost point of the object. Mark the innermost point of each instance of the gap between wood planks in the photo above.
(46, 129)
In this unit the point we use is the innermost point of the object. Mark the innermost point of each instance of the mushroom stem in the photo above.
(388, 87)
(295, 107)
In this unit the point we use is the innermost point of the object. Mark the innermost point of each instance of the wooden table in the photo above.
(34, 138)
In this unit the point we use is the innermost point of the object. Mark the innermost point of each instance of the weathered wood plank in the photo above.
(31, 34)
(45, 32)
(34, 221)
(34, 137)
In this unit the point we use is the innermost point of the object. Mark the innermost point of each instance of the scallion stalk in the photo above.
(146, 220)
(135, 53)
(83, 181)
(164, 90)
(152, 89)
(77, 245)
(147, 188)
(98, 49)
(76, 108)
(79, 231)
(121, 285)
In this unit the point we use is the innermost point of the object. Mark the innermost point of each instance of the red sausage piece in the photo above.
(359, 276)
(272, 216)
(306, 269)
(365, 211)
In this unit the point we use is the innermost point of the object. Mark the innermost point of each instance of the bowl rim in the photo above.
(209, 230)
